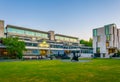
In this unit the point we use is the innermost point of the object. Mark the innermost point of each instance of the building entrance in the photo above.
(43, 52)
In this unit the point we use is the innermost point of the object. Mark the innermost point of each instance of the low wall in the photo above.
(86, 55)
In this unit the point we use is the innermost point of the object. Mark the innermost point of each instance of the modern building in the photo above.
(106, 40)
(39, 42)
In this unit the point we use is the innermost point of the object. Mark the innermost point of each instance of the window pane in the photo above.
(56, 37)
(95, 32)
(98, 50)
(107, 44)
(108, 37)
(11, 30)
(20, 31)
(106, 29)
(98, 38)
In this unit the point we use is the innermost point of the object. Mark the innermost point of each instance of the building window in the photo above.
(98, 49)
(42, 35)
(14, 30)
(20, 31)
(61, 38)
(108, 37)
(29, 33)
(66, 39)
(111, 51)
(107, 30)
(75, 40)
(94, 32)
(57, 37)
(107, 44)
(11, 30)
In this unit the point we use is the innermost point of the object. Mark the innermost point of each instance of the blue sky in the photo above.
(69, 17)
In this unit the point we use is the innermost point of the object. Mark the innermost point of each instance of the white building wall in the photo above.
(86, 55)
(113, 43)
(102, 43)
(119, 39)
(114, 37)
(94, 44)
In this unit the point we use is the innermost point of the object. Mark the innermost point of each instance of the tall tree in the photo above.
(90, 42)
(14, 46)
(86, 43)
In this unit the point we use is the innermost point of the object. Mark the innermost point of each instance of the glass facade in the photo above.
(98, 49)
(13, 30)
(37, 52)
(94, 32)
(27, 32)
(42, 35)
(107, 30)
(108, 37)
(32, 52)
(39, 34)
(107, 44)
(30, 33)
(62, 38)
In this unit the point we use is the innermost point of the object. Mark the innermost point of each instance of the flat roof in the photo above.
(105, 25)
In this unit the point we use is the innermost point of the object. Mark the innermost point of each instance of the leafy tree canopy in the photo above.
(87, 43)
(14, 46)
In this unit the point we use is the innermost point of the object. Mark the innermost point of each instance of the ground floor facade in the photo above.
(36, 53)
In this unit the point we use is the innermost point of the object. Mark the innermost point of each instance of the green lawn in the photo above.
(97, 70)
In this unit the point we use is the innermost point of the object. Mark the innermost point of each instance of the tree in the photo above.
(14, 46)
(90, 42)
(87, 43)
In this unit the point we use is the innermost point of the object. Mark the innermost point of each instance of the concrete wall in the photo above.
(118, 39)
(94, 44)
(1, 28)
(86, 55)
(51, 35)
(114, 38)
(102, 42)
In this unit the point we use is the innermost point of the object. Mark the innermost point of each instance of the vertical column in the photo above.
(101, 55)
(51, 35)
(1, 28)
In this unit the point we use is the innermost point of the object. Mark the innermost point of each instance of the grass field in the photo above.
(97, 70)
